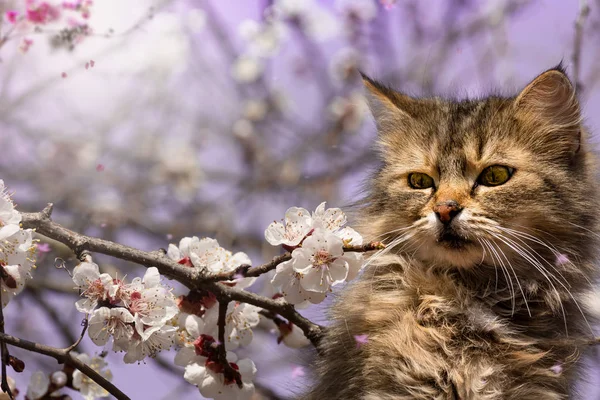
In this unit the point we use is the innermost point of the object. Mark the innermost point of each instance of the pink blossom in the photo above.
(361, 339)
(43, 13)
(562, 259)
(92, 63)
(11, 16)
(25, 45)
(43, 248)
(388, 4)
(297, 371)
(87, 65)
(99, 167)
(64, 74)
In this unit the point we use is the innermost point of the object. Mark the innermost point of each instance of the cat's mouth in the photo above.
(451, 240)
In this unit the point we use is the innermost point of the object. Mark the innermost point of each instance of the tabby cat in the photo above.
(489, 210)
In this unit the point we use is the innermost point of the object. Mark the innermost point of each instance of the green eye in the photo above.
(419, 180)
(495, 175)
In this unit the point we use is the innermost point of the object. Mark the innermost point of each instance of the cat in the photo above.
(489, 211)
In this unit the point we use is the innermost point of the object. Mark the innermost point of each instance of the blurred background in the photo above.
(164, 119)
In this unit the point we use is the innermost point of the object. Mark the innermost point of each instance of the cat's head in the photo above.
(498, 178)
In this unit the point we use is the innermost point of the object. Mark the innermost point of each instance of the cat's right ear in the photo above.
(387, 106)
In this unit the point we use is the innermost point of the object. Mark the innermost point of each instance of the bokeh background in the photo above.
(212, 117)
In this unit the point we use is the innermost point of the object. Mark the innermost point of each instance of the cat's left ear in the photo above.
(550, 107)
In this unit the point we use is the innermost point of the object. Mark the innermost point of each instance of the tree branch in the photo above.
(65, 356)
(584, 11)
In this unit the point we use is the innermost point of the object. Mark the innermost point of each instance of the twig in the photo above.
(247, 271)
(4, 350)
(584, 11)
(65, 356)
(229, 372)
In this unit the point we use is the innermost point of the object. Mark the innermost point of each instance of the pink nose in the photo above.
(446, 210)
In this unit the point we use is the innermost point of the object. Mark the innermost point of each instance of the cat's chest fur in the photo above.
(430, 338)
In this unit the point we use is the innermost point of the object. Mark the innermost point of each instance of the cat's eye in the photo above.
(495, 175)
(419, 180)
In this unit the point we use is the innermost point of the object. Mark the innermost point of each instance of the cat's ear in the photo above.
(550, 106)
(387, 105)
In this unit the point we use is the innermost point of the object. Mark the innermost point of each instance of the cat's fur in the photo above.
(447, 321)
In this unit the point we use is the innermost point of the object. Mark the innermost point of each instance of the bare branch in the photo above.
(584, 11)
(65, 356)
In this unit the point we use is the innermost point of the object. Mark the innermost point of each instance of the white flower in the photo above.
(287, 281)
(321, 262)
(192, 327)
(208, 376)
(89, 389)
(38, 385)
(93, 285)
(106, 322)
(263, 40)
(289, 334)
(206, 254)
(239, 321)
(181, 254)
(17, 257)
(152, 307)
(59, 378)
(330, 219)
(9, 217)
(157, 339)
(298, 223)
(246, 69)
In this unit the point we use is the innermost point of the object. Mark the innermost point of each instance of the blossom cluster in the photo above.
(198, 321)
(318, 261)
(73, 14)
(137, 315)
(17, 249)
(44, 386)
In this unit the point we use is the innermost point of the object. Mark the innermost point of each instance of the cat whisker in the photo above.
(505, 272)
(547, 274)
(516, 278)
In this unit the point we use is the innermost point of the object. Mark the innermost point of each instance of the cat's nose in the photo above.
(446, 210)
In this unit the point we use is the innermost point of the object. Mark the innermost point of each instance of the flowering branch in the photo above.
(189, 277)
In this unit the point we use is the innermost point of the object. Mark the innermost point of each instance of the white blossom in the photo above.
(208, 376)
(239, 321)
(59, 378)
(287, 281)
(89, 389)
(246, 69)
(298, 223)
(9, 217)
(156, 339)
(206, 254)
(39, 383)
(321, 262)
(106, 322)
(94, 286)
(17, 258)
